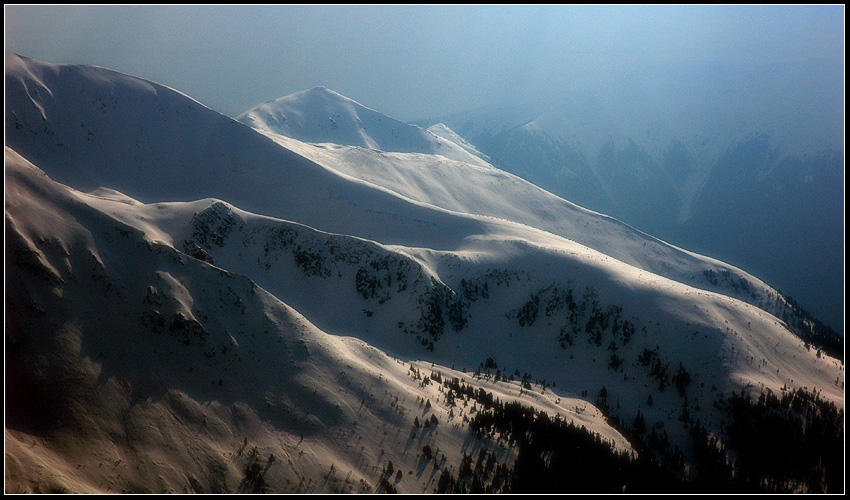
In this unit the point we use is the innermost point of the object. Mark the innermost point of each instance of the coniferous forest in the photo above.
(774, 443)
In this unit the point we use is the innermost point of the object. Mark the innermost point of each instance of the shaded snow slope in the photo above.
(533, 308)
(91, 127)
(133, 367)
(184, 268)
(322, 115)
(470, 189)
(742, 162)
(153, 144)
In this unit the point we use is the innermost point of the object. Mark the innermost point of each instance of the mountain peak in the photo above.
(267, 286)
(323, 92)
(321, 89)
(321, 115)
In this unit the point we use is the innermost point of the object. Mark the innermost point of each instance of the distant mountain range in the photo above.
(745, 163)
(198, 305)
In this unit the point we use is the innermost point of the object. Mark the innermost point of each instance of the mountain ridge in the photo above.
(318, 272)
(660, 150)
(324, 116)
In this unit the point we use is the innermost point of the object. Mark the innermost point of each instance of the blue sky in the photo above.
(412, 61)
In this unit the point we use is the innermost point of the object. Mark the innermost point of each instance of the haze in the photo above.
(412, 62)
(706, 78)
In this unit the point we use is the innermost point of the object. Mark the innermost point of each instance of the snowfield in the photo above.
(195, 305)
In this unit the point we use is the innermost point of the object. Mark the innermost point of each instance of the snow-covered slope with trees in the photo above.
(80, 141)
(182, 289)
(488, 191)
(171, 374)
(723, 159)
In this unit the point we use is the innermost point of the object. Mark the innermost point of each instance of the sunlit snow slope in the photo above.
(180, 283)
(153, 376)
(485, 190)
(322, 115)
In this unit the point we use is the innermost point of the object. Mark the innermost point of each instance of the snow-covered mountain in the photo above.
(442, 130)
(491, 192)
(723, 159)
(322, 115)
(387, 197)
(179, 369)
(183, 290)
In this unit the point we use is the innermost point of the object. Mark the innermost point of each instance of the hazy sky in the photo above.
(411, 61)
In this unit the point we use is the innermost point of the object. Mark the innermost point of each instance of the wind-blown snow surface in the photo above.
(269, 249)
